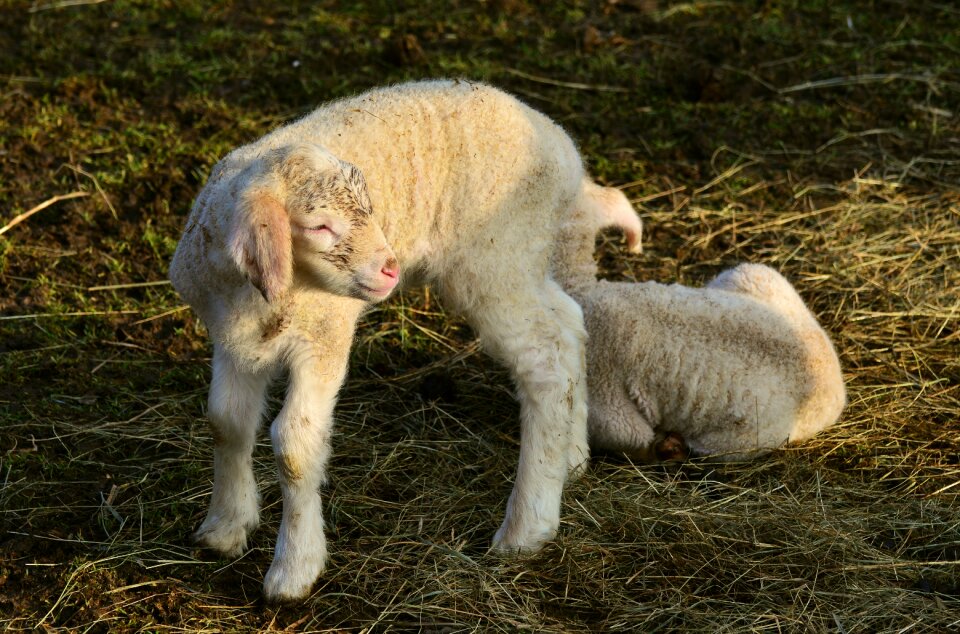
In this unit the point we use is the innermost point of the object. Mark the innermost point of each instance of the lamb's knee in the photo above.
(567, 327)
(290, 466)
(566, 311)
(552, 361)
(233, 420)
(540, 338)
(301, 448)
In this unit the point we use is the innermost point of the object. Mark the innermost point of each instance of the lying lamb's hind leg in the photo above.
(671, 446)
(236, 406)
(301, 437)
(538, 333)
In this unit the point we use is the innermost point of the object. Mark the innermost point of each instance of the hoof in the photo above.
(672, 447)
(290, 583)
(227, 538)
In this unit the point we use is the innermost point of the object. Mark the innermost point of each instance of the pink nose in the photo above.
(391, 268)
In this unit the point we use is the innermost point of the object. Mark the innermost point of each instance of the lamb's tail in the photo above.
(610, 208)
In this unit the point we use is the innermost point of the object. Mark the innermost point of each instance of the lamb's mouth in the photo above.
(373, 294)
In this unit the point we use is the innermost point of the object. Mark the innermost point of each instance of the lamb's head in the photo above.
(303, 214)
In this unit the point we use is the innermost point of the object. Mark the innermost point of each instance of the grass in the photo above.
(822, 138)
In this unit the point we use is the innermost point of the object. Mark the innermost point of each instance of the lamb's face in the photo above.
(304, 215)
(337, 245)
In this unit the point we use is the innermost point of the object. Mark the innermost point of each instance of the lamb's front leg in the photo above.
(301, 437)
(235, 408)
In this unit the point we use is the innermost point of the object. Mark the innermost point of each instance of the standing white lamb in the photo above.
(735, 369)
(282, 251)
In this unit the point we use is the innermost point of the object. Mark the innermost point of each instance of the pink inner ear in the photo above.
(260, 244)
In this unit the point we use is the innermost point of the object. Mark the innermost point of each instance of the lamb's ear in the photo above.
(260, 242)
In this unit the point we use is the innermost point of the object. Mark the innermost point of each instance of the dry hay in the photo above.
(856, 531)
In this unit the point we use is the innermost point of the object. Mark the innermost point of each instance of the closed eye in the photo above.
(321, 229)
(322, 234)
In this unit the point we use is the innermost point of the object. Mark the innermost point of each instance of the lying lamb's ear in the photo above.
(260, 242)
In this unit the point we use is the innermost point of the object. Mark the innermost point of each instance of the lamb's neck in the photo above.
(573, 265)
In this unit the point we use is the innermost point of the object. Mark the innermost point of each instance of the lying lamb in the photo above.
(734, 369)
(283, 249)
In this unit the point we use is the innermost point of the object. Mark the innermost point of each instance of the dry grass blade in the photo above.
(565, 84)
(50, 201)
(85, 313)
(868, 78)
(96, 183)
(117, 287)
(62, 4)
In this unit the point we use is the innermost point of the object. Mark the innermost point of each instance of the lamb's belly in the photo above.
(701, 400)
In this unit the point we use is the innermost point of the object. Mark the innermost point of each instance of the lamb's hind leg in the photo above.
(538, 333)
(236, 406)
